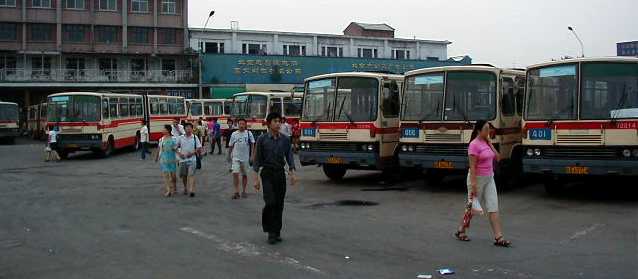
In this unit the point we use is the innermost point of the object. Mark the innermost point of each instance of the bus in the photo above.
(103, 122)
(9, 126)
(209, 109)
(37, 121)
(350, 121)
(581, 119)
(255, 106)
(440, 106)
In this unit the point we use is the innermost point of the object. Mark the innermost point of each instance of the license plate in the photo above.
(443, 165)
(308, 132)
(577, 170)
(335, 160)
(540, 134)
(410, 133)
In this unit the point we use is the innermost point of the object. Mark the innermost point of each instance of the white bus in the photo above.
(9, 126)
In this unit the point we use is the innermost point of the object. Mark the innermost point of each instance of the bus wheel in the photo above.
(554, 185)
(335, 173)
(109, 149)
(63, 154)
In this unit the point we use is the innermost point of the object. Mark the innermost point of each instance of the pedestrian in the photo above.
(52, 145)
(481, 186)
(229, 131)
(166, 157)
(144, 140)
(286, 129)
(272, 153)
(198, 130)
(188, 148)
(242, 143)
(203, 124)
(215, 136)
(177, 129)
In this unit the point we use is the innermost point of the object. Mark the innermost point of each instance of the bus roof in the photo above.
(273, 94)
(484, 68)
(357, 74)
(8, 103)
(99, 94)
(207, 100)
(587, 59)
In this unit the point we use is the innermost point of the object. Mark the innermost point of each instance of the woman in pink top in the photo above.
(480, 183)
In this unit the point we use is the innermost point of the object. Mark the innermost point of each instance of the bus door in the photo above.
(389, 120)
(276, 105)
(109, 111)
(509, 118)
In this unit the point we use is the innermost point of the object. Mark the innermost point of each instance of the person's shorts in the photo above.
(486, 192)
(186, 168)
(240, 167)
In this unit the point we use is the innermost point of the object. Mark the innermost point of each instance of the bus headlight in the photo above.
(370, 147)
(537, 152)
(635, 153)
(404, 148)
(530, 152)
(411, 148)
(626, 153)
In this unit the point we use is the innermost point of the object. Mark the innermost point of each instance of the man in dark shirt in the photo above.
(272, 152)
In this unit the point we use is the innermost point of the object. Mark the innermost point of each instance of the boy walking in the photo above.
(144, 140)
(242, 144)
(188, 148)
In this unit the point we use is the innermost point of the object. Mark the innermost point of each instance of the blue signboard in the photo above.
(410, 133)
(308, 132)
(276, 69)
(557, 71)
(540, 134)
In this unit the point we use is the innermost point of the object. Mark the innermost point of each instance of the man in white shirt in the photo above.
(285, 128)
(178, 129)
(144, 140)
(188, 148)
(242, 144)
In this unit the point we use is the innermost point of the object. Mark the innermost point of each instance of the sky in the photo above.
(505, 33)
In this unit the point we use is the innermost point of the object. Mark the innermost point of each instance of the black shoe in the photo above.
(272, 239)
(279, 239)
(192, 194)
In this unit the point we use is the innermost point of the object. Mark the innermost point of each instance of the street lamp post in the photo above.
(582, 47)
(201, 54)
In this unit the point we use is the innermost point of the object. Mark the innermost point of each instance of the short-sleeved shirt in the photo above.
(187, 144)
(53, 136)
(144, 134)
(177, 131)
(484, 155)
(215, 129)
(241, 143)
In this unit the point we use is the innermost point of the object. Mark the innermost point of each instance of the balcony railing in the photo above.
(95, 75)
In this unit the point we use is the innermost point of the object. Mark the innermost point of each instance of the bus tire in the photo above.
(554, 185)
(109, 148)
(63, 154)
(334, 172)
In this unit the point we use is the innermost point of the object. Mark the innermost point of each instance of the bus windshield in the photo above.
(319, 99)
(470, 96)
(196, 108)
(74, 108)
(423, 97)
(8, 112)
(609, 90)
(250, 106)
(357, 99)
(213, 108)
(551, 93)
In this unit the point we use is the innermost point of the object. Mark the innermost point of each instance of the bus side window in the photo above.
(391, 103)
(163, 107)
(154, 106)
(508, 100)
(105, 108)
(113, 108)
(275, 105)
(520, 94)
(292, 107)
(124, 107)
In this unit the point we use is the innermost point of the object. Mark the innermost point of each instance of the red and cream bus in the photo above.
(208, 109)
(255, 106)
(581, 119)
(350, 121)
(37, 121)
(103, 122)
(9, 126)
(440, 106)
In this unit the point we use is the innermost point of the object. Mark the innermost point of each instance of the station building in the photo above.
(50, 46)
(627, 48)
(235, 60)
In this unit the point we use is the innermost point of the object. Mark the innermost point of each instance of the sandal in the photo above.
(461, 236)
(500, 241)
(236, 196)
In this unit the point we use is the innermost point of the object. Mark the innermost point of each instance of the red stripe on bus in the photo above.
(631, 125)
(7, 121)
(350, 126)
(123, 142)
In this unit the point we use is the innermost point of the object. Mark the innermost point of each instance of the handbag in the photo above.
(198, 160)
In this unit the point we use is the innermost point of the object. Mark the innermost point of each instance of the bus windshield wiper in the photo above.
(621, 104)
(341, 107)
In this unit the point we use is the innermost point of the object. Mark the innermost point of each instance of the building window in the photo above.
(8, 65)
(41, 32)
(138, 68)
(169, 7)
(41, 3)
(74, 68)
(168, 65)
(108, 68)
(400, 54)
(167, 36)
(40, 67)
(331, 51)
(107, 34)
(75, 33)
(254, 49)
(74, 4)
(7, 3)
(139, 35)
(107, 5)
(294, 50)
(367, 53)
(140, 6)
(210, 47)
(8, 31)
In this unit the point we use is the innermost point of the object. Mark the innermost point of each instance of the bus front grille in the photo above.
(580, 153)
(579, 139)
(333, 136)
(445, 150)
(334, 146)
(443, 138)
